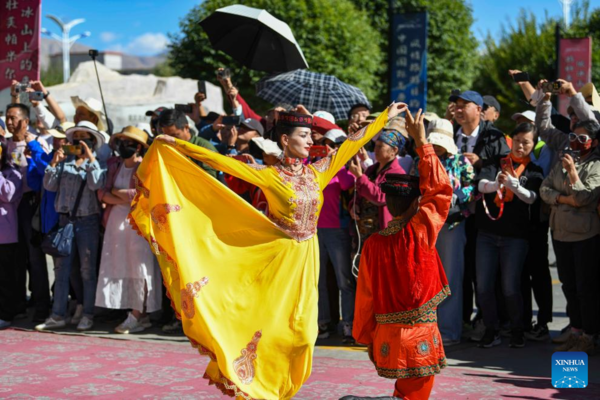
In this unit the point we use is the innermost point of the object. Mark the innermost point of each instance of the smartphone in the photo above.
(506, 164)
(93, 53)
(237, 120)
(72, 149)
(318, 151)
(185, 108)
(202, 87)
(553, 87)
(36, 96)
(521, 77)
(225, 73)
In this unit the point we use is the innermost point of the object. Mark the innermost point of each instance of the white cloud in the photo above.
(147, 44)
(108, 37)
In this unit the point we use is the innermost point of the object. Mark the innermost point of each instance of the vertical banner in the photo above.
(575, 65)
(19, 41)
(408, 60)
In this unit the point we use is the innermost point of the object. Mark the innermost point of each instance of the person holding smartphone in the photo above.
(68, 176)
(504, 220)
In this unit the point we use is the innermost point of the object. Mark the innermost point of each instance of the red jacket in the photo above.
(401, 277)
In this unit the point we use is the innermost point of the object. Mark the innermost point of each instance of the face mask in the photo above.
(89, 142)
(126, 151)
(583, 148)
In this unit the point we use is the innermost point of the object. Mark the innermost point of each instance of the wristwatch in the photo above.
(46, 94)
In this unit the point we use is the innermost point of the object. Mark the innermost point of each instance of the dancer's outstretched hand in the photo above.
(396, 109)
(166, 138)
(416, 127)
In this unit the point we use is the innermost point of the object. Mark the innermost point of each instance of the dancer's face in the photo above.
(298, 143)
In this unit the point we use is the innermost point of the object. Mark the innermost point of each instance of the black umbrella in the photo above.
(313, 90)
(254, 38)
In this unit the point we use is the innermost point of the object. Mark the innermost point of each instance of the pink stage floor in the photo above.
(51, 366)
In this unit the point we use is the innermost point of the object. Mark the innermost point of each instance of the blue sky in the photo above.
(141, 27)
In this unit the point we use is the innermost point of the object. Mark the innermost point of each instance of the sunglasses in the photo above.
(583, 139)
(464, 148)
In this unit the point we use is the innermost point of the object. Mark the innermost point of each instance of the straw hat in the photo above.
(92, 105)
(59, 131)
(397, 124)
(441, 134)
(589, 90)
(133, 133)
(86, 126)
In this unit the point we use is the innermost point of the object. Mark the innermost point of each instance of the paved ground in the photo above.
(532, 361)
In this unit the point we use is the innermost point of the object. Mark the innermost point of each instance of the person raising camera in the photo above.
(75, 174)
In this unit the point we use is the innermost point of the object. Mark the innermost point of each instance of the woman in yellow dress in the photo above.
(245, 285)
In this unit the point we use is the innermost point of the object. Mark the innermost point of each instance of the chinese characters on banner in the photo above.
(408, 60)
(19, 41)
(575, 65)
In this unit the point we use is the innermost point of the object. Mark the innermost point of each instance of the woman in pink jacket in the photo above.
(369, 209)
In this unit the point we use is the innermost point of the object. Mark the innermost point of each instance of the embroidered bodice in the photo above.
(294, 200)
(304, 203)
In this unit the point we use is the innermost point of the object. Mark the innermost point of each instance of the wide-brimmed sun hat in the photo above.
(441, 134)
(133, 133)
(88, 127)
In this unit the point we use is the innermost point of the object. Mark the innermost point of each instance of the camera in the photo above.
(225, 73)
(575, 154)
(553, 87)
(455, 92)
(93, 53)
(21, 87)
(36, 96)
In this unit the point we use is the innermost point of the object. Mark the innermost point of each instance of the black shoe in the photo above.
(538, 333)
(490, 338)
(517, 340)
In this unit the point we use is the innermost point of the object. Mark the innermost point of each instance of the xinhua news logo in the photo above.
(570, 370)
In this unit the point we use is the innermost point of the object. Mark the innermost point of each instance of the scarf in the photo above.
(507, 195)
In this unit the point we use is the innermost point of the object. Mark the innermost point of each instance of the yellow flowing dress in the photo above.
(243, 284)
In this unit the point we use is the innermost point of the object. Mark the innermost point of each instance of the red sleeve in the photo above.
(364, 325)
(436, 195)
(237, 185)
(112, 165)
(248, 112)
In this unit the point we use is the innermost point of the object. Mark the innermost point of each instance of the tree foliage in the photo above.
(335, 37)
(452, 47)
(530, 45)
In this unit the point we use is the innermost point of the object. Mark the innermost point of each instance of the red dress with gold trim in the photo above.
(401, 281)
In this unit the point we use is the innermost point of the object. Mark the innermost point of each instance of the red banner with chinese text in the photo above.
(575, 65)
(19, 41)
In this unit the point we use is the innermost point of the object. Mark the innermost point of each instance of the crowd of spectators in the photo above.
(516, 196)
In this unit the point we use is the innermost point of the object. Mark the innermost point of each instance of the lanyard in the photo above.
(487, 211)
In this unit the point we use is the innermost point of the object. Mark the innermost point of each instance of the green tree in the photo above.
(530, 45)
(452, 48)
(164, 69)
(53, 75)
(335, 37)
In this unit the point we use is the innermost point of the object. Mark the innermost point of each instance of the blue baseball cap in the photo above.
(470, 96)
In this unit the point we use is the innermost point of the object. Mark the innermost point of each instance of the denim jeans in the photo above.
(86, 240)
(335, 244)
(579, 273)
(451, 248)
(509, 255)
